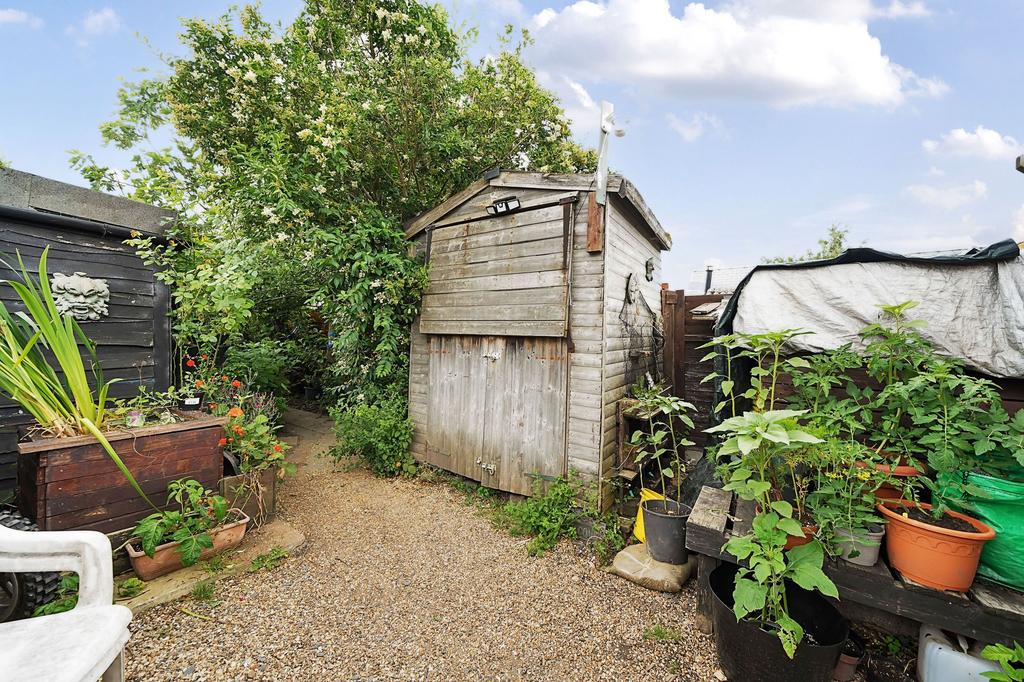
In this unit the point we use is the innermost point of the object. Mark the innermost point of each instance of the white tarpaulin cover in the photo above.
(974, 312)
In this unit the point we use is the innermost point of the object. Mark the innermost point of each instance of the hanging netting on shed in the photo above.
(643, 335)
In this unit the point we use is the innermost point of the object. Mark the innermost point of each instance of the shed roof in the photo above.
(583, 182)
(22, 190)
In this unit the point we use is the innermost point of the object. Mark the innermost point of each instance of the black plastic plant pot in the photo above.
(665, 530)
(191, 403)
(749, 652)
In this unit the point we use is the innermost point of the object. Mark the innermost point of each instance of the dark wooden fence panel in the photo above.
(685, 333)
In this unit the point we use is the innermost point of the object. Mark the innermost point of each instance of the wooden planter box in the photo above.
(166, 559)
(71, 483)
(258, 505)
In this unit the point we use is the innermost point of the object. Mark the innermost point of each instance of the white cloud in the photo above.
(1018, 224)
(903, 10)
(784, 52)
(984, 143)
(97, 23)
(695, 126)
(579, 106)
(936, 172)
(17, 16)
(948, 198)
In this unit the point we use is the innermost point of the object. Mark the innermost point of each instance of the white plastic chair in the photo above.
(81, 645)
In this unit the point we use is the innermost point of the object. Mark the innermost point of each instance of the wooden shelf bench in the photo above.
(988, 612)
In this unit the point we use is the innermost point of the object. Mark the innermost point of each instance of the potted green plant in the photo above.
(197, 526)
(660, 449)
(763, 591)
(843, 502)
(950, 409)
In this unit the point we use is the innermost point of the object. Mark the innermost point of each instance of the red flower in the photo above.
(236, 383)
(278, 448)
(222, 442)
(190, 363)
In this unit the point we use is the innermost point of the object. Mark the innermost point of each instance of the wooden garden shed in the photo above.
(541, 310)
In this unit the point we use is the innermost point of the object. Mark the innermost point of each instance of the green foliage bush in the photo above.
(549, 515)
(264, 364)
(379, 435)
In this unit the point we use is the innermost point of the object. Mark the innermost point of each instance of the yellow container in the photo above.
(638, 527)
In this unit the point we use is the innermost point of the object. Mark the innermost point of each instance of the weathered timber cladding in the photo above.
(486, 387)
(632, 347)
(472, 267)
(71, 483)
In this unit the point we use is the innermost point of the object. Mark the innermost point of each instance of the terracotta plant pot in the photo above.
(795, 540)
(930, 555)
(166, 558)
(888, 492)
(849, 659)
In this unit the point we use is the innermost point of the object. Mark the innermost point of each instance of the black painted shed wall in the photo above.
(133, 339)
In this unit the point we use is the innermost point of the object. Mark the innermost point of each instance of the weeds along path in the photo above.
(405, 580)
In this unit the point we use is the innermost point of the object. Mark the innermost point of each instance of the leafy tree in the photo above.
(831, 246)
(295, 154)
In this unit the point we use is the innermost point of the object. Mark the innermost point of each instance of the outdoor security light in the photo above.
(506, 205)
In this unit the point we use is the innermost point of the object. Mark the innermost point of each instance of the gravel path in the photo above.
(402, 580)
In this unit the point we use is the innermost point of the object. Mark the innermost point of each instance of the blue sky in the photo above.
(751, 125)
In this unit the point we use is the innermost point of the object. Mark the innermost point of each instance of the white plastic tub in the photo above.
(941, 659)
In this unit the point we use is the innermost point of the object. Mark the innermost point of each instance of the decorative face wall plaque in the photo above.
(82, 297)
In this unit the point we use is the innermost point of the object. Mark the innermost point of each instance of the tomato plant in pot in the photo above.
(198, 525)
(955, 416)
(660, 450)
(773, 579)
(843, 502)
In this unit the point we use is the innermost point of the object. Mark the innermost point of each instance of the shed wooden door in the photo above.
(496, 408)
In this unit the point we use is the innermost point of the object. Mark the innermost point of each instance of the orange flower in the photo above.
(236, 383)
(222, 442)
(206, 357)
(238, 430)
(277, 447)
(231, 440)
(235, 412)
(224, 378)
(200, 383)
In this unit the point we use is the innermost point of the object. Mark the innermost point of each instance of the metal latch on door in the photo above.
(489, 468)
(493, 357)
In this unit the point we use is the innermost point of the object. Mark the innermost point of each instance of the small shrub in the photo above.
(264, 362)
(608, 540)
(65, 599)
(548, 516)
(130, 587)
(379, 435)
(204, 590)
(215, 564)
(268, 560)
(660, 633)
